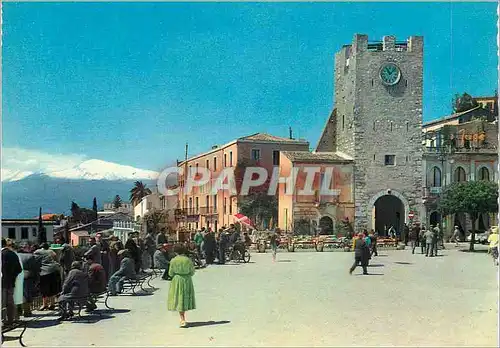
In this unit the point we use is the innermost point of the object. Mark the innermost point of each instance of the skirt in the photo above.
(50, 284)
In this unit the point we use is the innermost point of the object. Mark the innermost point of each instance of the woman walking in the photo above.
(50, 276)
(181, 292)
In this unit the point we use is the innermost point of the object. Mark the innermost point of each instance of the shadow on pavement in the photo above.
(285, 261)
(370, 274)
(480, 251)
(207, 323)
(42, 323)
(90, 318)
(376, 265)
(403, 263)
(379, 255)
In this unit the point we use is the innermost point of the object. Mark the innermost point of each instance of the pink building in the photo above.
(201, 207)
(320, 211)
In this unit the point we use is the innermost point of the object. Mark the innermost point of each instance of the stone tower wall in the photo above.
(381, 121)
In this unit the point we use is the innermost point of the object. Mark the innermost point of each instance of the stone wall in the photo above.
(381, 120)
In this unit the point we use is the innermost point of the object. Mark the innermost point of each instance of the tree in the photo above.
(154, 218)
(42, 236)
(75, 212)
(117, 202)
(259, 207)
(94, 208)
(138, 192)
(473, 198)
(463, 102)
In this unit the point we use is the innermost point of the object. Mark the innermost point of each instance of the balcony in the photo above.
(187, 212)
(208, 210)
(431, 192)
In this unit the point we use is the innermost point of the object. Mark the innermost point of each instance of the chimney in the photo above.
(290, 131)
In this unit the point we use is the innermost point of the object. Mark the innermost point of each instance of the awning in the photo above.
(243, 219)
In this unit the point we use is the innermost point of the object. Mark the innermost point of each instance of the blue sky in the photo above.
(131, 83)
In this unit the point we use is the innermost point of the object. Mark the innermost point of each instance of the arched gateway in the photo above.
(388, 208)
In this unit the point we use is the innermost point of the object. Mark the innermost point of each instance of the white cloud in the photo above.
(18, 163)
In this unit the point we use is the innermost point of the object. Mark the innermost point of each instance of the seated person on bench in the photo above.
(126, 271)
(97, 281)
(75, 287)
(161, 260)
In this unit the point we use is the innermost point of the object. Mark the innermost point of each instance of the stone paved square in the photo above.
(308, 299)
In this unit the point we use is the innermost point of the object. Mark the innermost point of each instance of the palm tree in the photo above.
(138, 192)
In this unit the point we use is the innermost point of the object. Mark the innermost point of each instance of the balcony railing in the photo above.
(431, 192)
(208, 210)
(187, 212)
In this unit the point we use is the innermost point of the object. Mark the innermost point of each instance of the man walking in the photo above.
(413, 236)
(435, 239)
(373, 237)
(429, 242)
(406, 232)
(361, 253)
(456, 236)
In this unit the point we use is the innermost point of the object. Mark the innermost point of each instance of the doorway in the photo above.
(389, 211)
(326, 225)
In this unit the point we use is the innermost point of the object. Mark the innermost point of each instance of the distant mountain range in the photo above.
(23, 193)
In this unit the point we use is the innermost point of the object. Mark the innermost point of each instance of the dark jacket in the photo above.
(76, 284)
(67, 258)
(31, 265)
(160, 260)
(46, 258)
(97, 278)
(11, 267)
(161, 239)
(209, 243)
(150, 244)
(127, 268)
(361, 249)
(95, 253)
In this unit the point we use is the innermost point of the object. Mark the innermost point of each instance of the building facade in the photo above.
(457, 150)
(377, 121)
(317, 213)
(26, 230)
(201, 207)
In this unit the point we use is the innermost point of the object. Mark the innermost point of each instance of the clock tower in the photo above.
(377, 120)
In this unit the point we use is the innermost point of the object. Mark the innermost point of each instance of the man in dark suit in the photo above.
(11, 267)
(126, 271)
(361, 254)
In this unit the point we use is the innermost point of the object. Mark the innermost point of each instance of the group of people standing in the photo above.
(429, 240)
(210, 245)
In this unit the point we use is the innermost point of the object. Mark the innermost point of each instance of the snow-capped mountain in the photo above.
(24, 191)
(92, 169)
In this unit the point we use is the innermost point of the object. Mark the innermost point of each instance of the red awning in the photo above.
(243, 219)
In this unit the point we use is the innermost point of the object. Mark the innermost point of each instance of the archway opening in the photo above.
(325, 225)
(389, 211)
(435, 218)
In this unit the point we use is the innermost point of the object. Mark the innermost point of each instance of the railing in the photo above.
(129, 225)
(208, 210)
(431, 192)
(187, 212)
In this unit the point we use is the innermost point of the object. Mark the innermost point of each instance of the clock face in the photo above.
(390, 74)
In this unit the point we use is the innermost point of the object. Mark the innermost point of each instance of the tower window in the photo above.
(406, 158)
(373, 125)
(391, 126)
(374, 157)
(406, 83)
(372, 82)
(407, 126)
(390, 160)
(343, 121)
